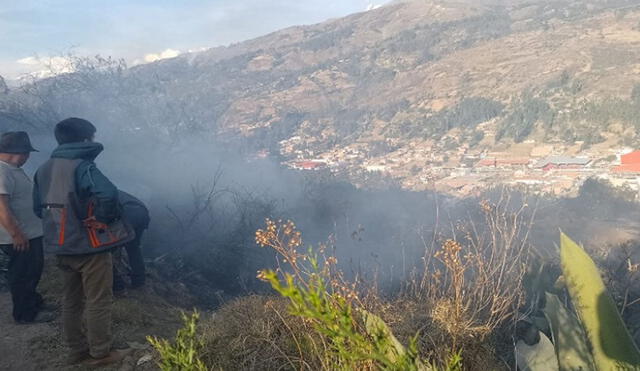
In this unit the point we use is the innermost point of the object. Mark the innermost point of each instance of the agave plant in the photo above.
(595, 338)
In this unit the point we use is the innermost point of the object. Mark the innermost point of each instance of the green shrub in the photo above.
(184, 353)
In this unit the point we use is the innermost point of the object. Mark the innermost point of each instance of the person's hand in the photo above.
(20, 242)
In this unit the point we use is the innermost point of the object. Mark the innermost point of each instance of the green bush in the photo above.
(184, 353)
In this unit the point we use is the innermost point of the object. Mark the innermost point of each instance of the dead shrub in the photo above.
(258, 333)
(472, 281)
(470, 288)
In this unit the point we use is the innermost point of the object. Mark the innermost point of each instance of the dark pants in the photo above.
(136, 263)
(23, 275)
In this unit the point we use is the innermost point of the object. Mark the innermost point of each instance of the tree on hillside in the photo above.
(527, 111)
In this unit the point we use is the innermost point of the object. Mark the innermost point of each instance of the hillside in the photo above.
(433, 81)
(420, 69)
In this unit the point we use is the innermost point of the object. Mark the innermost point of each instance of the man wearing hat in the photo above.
(20, 229)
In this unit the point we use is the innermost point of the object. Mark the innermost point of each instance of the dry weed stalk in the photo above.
(474, 280)
(286, 240)
(620, 272)
(352, 337)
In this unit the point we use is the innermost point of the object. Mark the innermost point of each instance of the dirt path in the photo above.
(16, 340)
(39, 347)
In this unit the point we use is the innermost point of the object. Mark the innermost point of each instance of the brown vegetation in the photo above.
(465, 299)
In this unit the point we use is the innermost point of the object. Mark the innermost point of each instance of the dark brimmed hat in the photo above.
(16, 142)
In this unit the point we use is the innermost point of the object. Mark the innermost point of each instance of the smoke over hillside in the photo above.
(183, 134)
(207, 200)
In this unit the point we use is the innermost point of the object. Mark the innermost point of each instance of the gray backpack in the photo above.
(70, 227)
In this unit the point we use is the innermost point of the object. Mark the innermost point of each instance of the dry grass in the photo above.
(286, 240)
(620, 267)
(258, 333)
(472, 281)
(466, 299)
(471, 288)
(407, 316)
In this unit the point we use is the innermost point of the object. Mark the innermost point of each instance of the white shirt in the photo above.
(15, 183)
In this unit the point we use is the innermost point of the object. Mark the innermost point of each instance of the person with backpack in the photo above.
(80, 214)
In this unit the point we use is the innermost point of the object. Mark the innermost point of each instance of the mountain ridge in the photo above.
(480, 76)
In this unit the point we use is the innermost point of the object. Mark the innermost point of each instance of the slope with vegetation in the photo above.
(551, 71)
(475, 298)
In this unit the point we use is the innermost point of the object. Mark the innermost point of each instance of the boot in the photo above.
(41, 317)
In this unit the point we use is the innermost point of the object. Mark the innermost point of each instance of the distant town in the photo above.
(554, 169)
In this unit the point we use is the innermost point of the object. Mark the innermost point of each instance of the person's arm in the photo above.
(10, 224)
(98, 186)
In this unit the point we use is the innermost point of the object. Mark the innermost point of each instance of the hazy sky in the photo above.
(140, 30)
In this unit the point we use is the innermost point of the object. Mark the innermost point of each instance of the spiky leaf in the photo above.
(394, 350)
(377, 328)
(612, 346)
(568, 336)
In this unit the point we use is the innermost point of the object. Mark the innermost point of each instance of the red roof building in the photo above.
(630, 163)
(630, 158)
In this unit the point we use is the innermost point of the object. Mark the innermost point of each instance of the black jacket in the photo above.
(134, 211)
